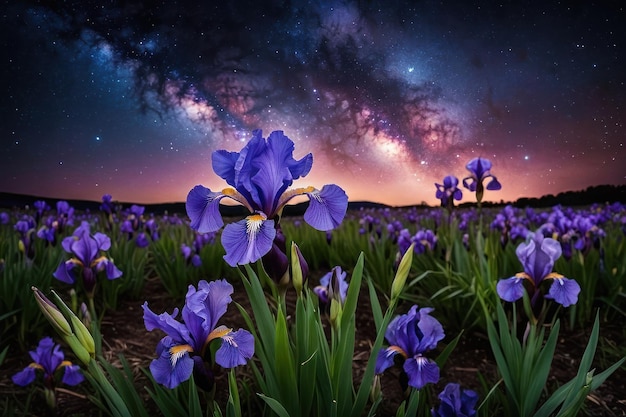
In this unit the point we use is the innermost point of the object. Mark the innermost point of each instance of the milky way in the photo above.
(131, 100)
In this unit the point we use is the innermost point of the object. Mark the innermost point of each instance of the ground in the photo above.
(124, 333)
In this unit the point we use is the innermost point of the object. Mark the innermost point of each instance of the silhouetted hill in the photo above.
(593, 194)
(21, 201)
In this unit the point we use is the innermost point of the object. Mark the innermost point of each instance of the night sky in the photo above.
(390, 97)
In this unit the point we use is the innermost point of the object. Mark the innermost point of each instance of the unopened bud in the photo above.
(403, 272)
(52, 313)
(299, 268)
(336, 311)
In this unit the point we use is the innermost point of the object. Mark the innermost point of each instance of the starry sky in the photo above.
(389, 96)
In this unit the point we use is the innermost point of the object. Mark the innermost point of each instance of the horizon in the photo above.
(299, 201)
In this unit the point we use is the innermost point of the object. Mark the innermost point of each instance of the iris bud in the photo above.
(403, 272)
(52, 313)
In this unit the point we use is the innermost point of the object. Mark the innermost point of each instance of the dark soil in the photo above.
(471, 361)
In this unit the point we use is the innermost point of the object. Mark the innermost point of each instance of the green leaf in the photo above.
(284, 364)
(375, 304)
(443, 356)
(275, 405)
(193, 400)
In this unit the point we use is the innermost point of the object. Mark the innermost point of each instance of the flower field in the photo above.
(498, 311)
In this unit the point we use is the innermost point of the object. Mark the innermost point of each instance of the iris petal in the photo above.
(246, 241)
(327, 207)
(165, 322)
(432, 332)
(421, 371)
(272, 175)
(203, 208)
(63, 272)
(494, 185)
(72, 375)
(237, 347)
(510, 289)
(167, 372)
(210, 301)
(469, 183)
(103, 241)
(112, 271)
(564, 291)
(24, 377)
(384, 359)
(224, 165)
(85, 249)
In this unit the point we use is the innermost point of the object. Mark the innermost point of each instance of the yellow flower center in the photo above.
(177, 352)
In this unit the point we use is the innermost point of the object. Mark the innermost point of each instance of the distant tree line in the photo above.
(594, 194)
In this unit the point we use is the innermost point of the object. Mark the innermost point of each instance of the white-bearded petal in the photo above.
(247, 240)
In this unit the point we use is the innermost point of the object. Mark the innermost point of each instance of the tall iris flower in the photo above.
(65, 216)
(48, 359)
(448, 191)
(107, 205)
(260, 176)
(480, 169)
(86, 249)
(411, 335)
(108, 208)
(456, 402)
(538, 255)
(40, 208)
(184, 350)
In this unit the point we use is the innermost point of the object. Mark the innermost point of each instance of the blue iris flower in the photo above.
(411, 335)
(538, 255)
(48, 359)
(456, 402)
(183, 351)
(448, 191)
(87, 250)
(480, 169)
(260, 176)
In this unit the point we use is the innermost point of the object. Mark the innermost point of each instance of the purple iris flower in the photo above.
(332, 285)
(538, 255)
(40, 207)
(456, 402)
(107, 205)
(425, 240)
(479, 169)
(411, 335)
(184, 349)
(190, 256)
(448, 191)
(49, 359)
(86, 249)
(260, 176)
(142, 240)
(65, 216)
